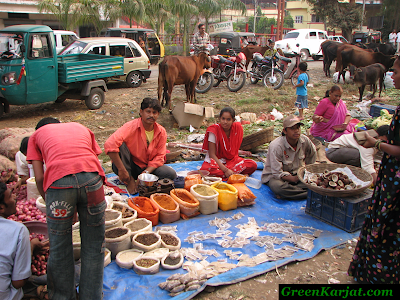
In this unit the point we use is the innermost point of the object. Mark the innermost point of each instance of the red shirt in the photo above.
(133, 135)
(66, 148)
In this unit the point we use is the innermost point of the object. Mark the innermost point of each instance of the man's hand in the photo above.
(370, 141)
(132, 186)
(38, 246)
(124, 176)
(291, 178)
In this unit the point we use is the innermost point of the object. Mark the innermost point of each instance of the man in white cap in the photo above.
(285, 156)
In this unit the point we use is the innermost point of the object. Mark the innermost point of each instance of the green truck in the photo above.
(32, 73)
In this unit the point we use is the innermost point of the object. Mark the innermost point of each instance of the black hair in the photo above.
(201, 24)
(150, 103)
(383, 130)
(334, 88)
(24, 145)
(3, 189)
(229, 110)
(46, 121)
(303, 66)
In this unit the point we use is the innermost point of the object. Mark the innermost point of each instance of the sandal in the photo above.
(42, 292)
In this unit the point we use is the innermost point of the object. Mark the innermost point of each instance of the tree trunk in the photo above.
(177, 25)
(347, 34)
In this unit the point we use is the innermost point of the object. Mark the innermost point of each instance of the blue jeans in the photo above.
(83, 191)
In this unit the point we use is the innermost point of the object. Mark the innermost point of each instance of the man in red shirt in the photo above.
(73, 180)
(139, 146)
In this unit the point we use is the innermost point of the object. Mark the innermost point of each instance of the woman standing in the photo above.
(331, 118)
(376, 256)
(222, 143)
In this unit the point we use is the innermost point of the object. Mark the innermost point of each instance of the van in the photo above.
(64, 38)
(136, 62)
(154, 48)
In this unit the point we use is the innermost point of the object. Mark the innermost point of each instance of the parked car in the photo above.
(136, 62)
(64, 38)
(308, 40)
(154, 46)
(338, 38)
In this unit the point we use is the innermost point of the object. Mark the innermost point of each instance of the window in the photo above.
(98, 49)
(66, 39)
(39, 46)
(321, 36)
(315, 19)
(136, 52)
(298, 19)
(291, 35)
(312, 35)
(117, 50)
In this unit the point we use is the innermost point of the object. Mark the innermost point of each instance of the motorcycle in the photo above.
(291, 68)
(206, 79)
(265, 69)
(231, 69)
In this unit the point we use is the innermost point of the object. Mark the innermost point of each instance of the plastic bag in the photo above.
(237, 178)
(245, 196)
(276, 114)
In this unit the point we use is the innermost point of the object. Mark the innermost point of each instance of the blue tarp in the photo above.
(126, 284)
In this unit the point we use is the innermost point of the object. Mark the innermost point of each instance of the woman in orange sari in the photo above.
(222, 142)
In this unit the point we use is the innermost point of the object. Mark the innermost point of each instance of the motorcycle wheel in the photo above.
(296, 75)
(204, 83)
(275, 81)
(235, 84)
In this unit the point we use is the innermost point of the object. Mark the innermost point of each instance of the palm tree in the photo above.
(134, 10)
(63, 11)
(187, 9)
(156, 11)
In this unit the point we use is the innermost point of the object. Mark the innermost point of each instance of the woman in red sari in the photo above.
(222, 142)
(331, 118)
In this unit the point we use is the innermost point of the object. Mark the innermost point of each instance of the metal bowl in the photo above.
(146, 179)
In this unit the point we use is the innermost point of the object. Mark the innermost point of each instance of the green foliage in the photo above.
(263, 24)
(338, 15)
(390, 10)
(288, 21)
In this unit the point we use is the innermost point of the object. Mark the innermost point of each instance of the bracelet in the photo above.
(378, 144)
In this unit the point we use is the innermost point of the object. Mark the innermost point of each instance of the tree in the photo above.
(346, 16)
(62, 10)
(156, 12)
(133, 9)
(390, 9)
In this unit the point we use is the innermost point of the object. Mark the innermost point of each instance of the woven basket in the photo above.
(320, 168)
(256, 139)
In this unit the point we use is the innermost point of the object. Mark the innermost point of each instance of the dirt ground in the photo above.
(122, 104)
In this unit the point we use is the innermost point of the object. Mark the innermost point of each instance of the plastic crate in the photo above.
(375, 109)
(345, 213)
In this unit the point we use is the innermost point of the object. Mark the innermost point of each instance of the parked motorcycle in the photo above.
(231, 69)
(265, 69)
(291, 68)
(206, 79)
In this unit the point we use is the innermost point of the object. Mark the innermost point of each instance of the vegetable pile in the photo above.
(384, 119)
(27, 211)
(39, 261)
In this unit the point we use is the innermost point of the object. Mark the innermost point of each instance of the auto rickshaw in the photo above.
(230, 41)
(366, 37)
(154, 46)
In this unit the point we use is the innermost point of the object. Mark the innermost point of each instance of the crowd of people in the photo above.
(75, 175)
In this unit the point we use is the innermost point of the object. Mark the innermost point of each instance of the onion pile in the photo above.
(27, 211)
(39, 261)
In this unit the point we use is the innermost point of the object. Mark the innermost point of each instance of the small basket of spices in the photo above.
(146, 241)
(117, 239)
(139, 225)
(188, 204)
(128, 213)
(146, 265)
(169, 209)
(125, 258)
(172, 261)
(113, 218)
(145, 208)
(169, 240)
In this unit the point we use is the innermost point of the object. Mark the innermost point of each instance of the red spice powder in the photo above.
(143, 203)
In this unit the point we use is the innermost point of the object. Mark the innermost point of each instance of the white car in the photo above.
(307, 42)
(64, 38)
(338, 38)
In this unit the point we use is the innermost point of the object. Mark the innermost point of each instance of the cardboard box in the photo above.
(187, 114)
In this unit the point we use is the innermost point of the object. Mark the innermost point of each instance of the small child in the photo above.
(301, 89)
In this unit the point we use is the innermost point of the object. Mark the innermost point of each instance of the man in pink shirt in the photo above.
(73, 180)
(139, 146)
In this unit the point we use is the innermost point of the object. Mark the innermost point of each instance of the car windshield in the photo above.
(291, 35)
(10, 45)
(74, 48)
